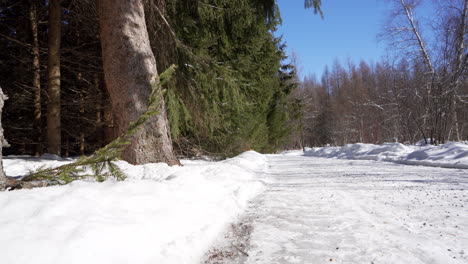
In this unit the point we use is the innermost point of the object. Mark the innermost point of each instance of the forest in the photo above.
(230, 92)
(68, 67)
(186, 131)
(418, 93)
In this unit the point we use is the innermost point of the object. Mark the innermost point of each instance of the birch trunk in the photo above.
(130, 71)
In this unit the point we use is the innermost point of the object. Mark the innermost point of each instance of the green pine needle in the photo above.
(101, 162)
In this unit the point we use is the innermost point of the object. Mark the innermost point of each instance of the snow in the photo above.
(160, 214)
(449, 155)
(331, 205)
(322, 210)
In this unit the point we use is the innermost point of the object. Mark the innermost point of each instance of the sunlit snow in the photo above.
(160, 214)
(331, 205)
(322, 210)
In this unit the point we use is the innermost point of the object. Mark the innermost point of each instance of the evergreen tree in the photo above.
(283, 107)
(228, 95)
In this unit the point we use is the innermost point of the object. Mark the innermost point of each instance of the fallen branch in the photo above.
(101, 162)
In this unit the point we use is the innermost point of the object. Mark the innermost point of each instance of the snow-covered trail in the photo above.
(318, 210)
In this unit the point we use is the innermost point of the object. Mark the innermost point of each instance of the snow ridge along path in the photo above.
(318, 210)
(449, 155)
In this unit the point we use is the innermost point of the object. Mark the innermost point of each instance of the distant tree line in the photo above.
(232, 89)
(419, 94)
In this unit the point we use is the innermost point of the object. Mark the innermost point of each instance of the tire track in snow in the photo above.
(337, 211)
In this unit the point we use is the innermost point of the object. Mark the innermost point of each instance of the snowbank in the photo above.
(160, 214)
(450, 155)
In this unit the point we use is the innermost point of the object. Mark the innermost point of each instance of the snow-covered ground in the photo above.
(321, 210)
(160, 214)
(450, 155)
(291, 209)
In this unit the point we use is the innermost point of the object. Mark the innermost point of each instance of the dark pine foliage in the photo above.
(231, 90)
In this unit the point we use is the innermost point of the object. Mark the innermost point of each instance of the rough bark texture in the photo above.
(37, 126)
(130, 71)
(53, 82)
(3, 180)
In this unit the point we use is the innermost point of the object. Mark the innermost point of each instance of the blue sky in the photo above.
(348, 31)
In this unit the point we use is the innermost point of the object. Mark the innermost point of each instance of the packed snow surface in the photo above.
(321, 210)
(160, 214)
(450, 155)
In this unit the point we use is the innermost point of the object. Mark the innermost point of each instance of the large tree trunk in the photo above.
(37, 124)
(53, 83)
(3, 142)
(130, 71)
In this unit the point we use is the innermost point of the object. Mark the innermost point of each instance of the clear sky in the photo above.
(348, 31)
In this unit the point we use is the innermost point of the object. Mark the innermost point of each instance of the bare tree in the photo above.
(436, 83)
(130, 73)
(452, 29)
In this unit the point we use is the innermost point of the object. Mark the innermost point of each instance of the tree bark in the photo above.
(3, 179)
(53, 83)
(37, 123)
(130, 71)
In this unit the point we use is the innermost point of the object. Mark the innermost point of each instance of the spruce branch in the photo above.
(101, 162)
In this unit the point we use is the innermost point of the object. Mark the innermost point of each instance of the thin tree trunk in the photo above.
(99, 111)
(130, 72)
(82, 134)
(37, 123)
(455, 121)
(3, 179)
(53, 82)
(67, 146)
(109, 132)
(414, 29)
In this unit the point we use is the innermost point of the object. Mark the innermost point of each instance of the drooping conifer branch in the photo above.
(101, 162)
